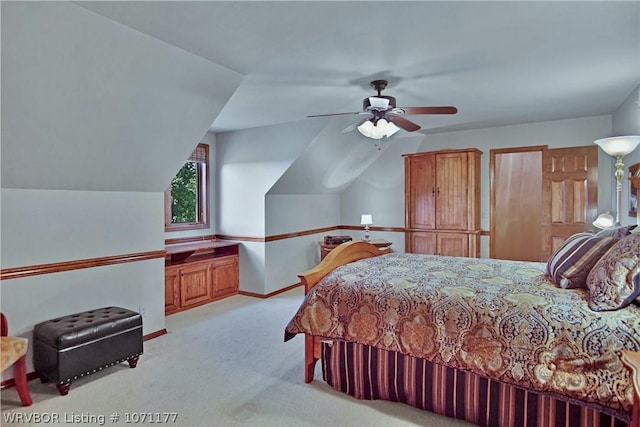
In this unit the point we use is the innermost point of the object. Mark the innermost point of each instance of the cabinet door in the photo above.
(225, 277)
(171, 290)
(195, 283)
(422, 243)
(421, 187)
(451, 191)
(453, 244)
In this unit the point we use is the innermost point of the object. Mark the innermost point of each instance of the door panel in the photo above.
(451, 191)
(422, 185)
(225, 277)
(422, 243)
(195, 284)
(516, 200)
(573, 193)
(171, 290)
(452, 244)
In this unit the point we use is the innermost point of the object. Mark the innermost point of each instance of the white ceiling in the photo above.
(498, 62)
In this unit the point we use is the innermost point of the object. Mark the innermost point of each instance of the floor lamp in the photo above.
(618, 147)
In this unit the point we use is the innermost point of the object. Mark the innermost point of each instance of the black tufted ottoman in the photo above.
(83, 343)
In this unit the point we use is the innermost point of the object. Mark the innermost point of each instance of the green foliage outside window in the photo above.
(184, 194)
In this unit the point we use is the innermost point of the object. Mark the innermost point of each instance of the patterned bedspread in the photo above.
(500, 319)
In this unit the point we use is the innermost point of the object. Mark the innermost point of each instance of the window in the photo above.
(186, 201)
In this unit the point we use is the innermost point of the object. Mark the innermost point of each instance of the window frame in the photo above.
(203, 196)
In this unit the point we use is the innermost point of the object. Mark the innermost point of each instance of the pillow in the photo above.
(570, 264)
(616, 232)
(614, 281)
(557, 253)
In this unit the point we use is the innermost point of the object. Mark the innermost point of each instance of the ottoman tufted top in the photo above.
(68, 331)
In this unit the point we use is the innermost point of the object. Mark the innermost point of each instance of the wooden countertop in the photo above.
(180, 248)
(179, 253)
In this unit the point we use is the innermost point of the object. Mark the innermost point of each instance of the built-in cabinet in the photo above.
(199, 273)
(442, 202)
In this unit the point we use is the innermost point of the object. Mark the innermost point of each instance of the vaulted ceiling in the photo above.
(112, 95)
(498, 62)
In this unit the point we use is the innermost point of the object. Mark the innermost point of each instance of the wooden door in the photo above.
(451, 191)
(225, 277)
(516, 204)
(420, 183)
(571, 193)
(453, 244)
(195, 283)
(171, 290)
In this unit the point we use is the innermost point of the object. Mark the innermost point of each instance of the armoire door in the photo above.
(421, 185)
(451, 191)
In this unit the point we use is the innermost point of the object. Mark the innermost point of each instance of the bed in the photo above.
(488, 341)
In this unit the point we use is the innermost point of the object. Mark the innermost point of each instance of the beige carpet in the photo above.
(223, 364)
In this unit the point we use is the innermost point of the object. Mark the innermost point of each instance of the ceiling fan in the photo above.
(384, 117)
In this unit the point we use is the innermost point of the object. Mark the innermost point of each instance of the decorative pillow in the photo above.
(616, 232)
(570, 264)
(614, 281)
(555, 256)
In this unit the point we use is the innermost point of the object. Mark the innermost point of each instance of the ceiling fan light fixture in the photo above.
(386, 128)
(369, 130)
(378, 130)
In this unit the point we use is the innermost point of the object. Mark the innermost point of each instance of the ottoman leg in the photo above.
(133, 362)
(64, 388)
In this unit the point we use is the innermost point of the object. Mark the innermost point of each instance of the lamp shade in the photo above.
(618, 145)
(378, 130)
(366, 219)
(386, 128)
(369, 130)
(604, 220)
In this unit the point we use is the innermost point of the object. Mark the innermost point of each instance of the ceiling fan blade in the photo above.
(337, 114)
(430, 110)
(403, 123)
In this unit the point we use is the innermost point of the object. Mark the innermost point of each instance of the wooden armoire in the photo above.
(442, 202)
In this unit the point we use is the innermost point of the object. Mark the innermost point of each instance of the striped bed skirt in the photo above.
(369, 373)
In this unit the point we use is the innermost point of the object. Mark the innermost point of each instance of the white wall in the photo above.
(384, 199)
(249, 163)
(48, 226)
(285, 259)
(626, 121)
(96, 119)
(90, 104)
(378, 190)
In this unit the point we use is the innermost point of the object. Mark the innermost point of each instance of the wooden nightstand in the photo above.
(326, 248)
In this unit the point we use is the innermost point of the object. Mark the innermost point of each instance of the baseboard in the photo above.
(263, 296)
(155, 334)
(33, 375)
